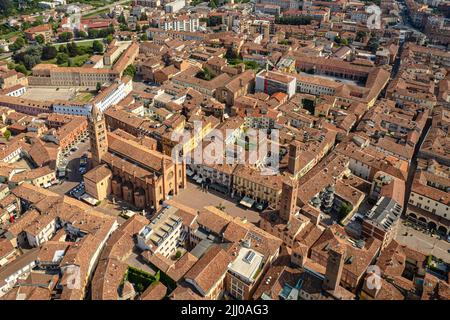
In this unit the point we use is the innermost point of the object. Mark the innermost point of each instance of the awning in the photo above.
(248, 202)
(219, 187)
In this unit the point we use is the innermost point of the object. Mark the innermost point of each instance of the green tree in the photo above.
(157, 276)
(72, 48)
(17, 45)
(373, 44)
(230, 55)
(7, 134)
(360, 35)
(38, 22)
(139, 287)
(65, 36)
(98, 86)
(39, 39)
(81, 34)
(346, 208)
(6, 7)
(83, 50)
(97, 46)
(205, 74)
(49, 52)
(130, 71)
(221, 207)
(138, 28)
(30, 61)
(109, 39)
(25, 25)
(122, 19)
(62, 58)
(93, 33)
(21, 68)
(62, 48)
(29, 57)
(124, 27)
(144, 37)
(251, 65)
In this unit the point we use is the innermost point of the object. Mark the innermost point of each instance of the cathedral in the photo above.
(129, 169)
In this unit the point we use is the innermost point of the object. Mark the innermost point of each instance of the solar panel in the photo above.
(249, 256)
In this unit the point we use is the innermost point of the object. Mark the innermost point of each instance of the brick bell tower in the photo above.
(294, 158)
(97, 135)
(335, 265)
(288, 199)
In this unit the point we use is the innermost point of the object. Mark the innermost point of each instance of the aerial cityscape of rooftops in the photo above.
(225, 150)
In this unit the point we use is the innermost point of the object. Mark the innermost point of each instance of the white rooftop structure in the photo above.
(247, 264)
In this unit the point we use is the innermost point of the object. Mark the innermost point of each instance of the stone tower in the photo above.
(294, 158)
(288, 200)
(335, 264)
(97, 135)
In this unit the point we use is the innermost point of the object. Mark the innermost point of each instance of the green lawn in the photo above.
(83, 97)
(248, 64)
(8, 36)
(94, 3)
(81, 43)
(95, 13)
(77, 61)
(140, 279)
(51, 61)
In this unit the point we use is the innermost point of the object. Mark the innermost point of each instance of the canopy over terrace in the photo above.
(247, 202)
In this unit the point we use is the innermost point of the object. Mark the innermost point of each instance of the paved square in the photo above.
(423, 242)
(194, 197)
(49, 94)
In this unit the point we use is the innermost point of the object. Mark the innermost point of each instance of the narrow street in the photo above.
(413, 164)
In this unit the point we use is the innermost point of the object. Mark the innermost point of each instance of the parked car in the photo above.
(259, 206)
